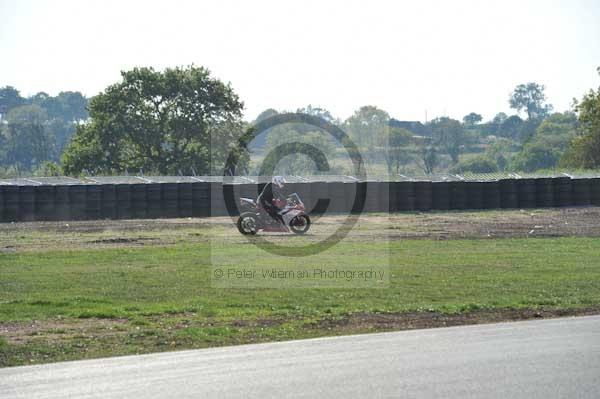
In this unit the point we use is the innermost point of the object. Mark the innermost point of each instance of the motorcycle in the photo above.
(254, 218)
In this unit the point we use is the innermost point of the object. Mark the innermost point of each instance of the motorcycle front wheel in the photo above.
(300, 224)
(247, 224)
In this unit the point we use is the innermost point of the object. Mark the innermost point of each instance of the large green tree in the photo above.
(531, 98)
(179, 119)
(585, 149)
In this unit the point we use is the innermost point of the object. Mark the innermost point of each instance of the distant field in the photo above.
(102, 293)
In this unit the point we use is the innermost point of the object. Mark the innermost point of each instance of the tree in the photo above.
(260, 140)
(49, 168)
(318, 112)
(472, 119)
(9, 99)
(267, 113)
(429, 158)
(499, 118)
(307, 142)
(497, 152)
(544, 147)
(558, 130)
(39, 98)
(493, 126)
(584, 151)
(367, 125)
(64, 111)
(394, 145)
(511, 127)
(68, 106)
(318, 145)
(366, 128)
(28, 141)
(535, 156)
(73, 106)
(449, 134)
(531, 98)
(163, 122)
(62, 133)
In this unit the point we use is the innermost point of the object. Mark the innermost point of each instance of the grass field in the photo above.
(74, 302)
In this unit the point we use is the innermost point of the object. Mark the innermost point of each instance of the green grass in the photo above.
(163, 299)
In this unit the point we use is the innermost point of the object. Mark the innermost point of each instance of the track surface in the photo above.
(557, 358)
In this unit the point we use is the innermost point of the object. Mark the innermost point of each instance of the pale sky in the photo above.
(446, 57)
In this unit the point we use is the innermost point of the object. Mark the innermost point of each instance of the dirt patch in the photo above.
(59, 329)
(364, 322)
(555, 222)
(73, 339)
(65, 329)
(96, 226)
(8, 249)
(262, 323)
(138, 240)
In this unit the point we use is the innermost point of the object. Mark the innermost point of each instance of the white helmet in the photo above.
(279, 181)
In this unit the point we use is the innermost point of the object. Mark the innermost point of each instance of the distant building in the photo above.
(416, 127)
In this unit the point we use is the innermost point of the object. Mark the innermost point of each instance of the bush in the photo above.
(48, 168)
(535, 156)
(478, 164)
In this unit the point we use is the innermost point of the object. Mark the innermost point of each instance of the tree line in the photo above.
(35, 130)
(185, 121)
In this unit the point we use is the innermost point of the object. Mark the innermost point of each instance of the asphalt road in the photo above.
(557, 358)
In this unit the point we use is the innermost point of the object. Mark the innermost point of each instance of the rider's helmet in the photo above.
(279, 181)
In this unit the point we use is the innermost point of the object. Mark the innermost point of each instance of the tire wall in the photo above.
(441, 195)
(337, 197)
(458, 195)
(184, 200)
(509, 194)
(581, 194)
(217, 202)
(401, 196)
(491, 195)
(595, 191)
(544, 189)
(202, 199)
(45, 203)
(562, 191)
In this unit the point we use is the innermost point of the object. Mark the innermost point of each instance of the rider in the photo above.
(271, 194)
